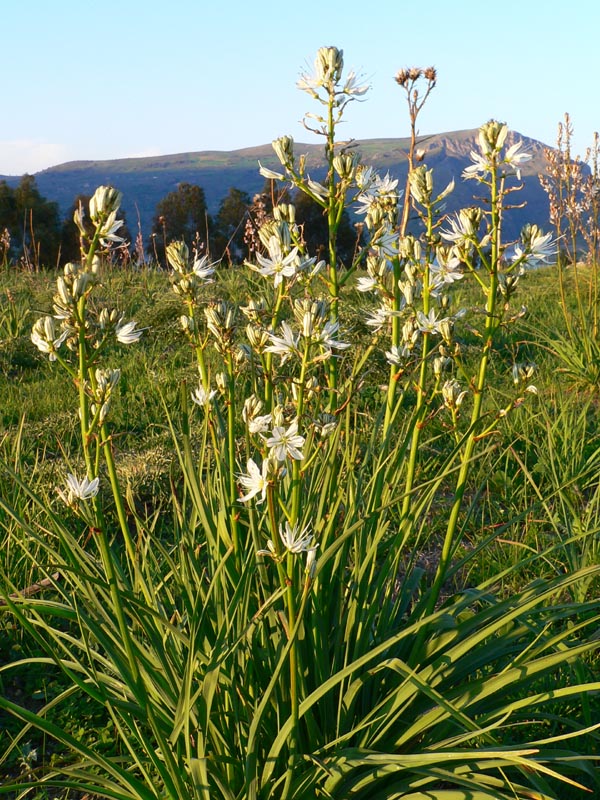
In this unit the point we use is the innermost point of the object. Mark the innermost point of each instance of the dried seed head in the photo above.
(402, 77)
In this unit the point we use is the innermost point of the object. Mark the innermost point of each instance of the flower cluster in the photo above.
(327, 74)
(73, 321)
(491, 139)
(188, 279)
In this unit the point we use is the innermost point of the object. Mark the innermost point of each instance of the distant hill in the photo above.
(144, 181)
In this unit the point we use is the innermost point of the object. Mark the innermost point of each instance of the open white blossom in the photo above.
(202, 397)
(397, 355)
(295, 541)
(380, 317)
(442, 273)
(202, 268)
(79, 489)
(514, 157)
(126, 332)
(255, 481)
(283, 443)
(429, 323)
(278, 265)
(366, 283)
(285, 345)
(324, 337)
(535, 246)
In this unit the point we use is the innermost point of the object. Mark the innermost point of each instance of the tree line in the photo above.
(33, 234)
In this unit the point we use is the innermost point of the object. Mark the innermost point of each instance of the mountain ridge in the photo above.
(145, 180)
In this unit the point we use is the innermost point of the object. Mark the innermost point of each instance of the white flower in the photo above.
(396, 355)
(329, 63)
(386, 241)
(202, 397)
(535, 246)
(256, 422)
(45, 339)
(376, 189)
(256, 481)
(429, 323)
(284, 443)
(442, 273)
(107, 231)
(378, 318)
(366, 283)
(202, 268)
(79, 490)
(270, 174)
(296, 541)
(480, 166)
(260, 424)
(126, 332)
(464, 227)
(326, 340)
(514, 158)
(285, 345)
(279, 265)
(351, 87)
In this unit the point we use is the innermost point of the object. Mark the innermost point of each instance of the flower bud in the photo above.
(329, 64)
(178, 256)
(106, 200)
(492, 136)
(345, 165)
(187, 323)
(452, 394)
(284, 150)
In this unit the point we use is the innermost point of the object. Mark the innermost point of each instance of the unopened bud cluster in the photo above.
(189, 277)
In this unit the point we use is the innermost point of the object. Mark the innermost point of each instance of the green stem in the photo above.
(335, 207)
(296, 471)
(233, 517)
(117, 494)
(451, 539)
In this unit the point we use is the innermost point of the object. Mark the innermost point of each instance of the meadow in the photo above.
(304, 529)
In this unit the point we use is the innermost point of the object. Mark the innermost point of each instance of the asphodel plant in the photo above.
(75, 336)
(281, 643)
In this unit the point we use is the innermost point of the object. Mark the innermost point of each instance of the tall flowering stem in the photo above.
(411, 81)
(76, 327)
(333, 92)
(490, 169)
(424, 368)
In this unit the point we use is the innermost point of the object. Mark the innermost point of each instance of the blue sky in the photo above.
(98, 80)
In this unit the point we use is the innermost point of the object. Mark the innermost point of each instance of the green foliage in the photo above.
(230, 227)
(315, 231)
(181, 215)
(32, 224)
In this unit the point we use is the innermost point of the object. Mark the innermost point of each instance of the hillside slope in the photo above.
(144, 181)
